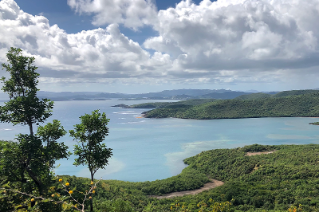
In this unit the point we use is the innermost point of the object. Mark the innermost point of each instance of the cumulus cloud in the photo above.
(131, 13)
(225, 41)
(239, 34)
(98, 53)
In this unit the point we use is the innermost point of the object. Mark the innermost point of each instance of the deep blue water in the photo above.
(150, 149)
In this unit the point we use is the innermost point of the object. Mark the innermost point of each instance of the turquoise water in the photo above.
(150, 149)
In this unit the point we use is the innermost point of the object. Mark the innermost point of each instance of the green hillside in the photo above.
(280, 94)
(295, 92)
(254, 96)
(289, 176)
(305, 105)
(285, 179)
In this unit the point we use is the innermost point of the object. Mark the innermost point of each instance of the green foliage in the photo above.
(299, 105)
(90, 134)
(189, 179)
(53, 150)
(24, 107)
(117, 205)
(26, 165)
(272, 182)
(277, 95)
(285, 179)
(150, 105)
(258, 148)
(191, 102)
(289, 176)
(254, 96)
(294, 93)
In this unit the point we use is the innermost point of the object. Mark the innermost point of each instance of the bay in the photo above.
(150, 149)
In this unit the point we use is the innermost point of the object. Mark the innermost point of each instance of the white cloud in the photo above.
(93, 54)
(238, 34)
(131, 13)
(225, 42)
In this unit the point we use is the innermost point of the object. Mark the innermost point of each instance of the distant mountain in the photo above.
(178, 94)
(276, 94)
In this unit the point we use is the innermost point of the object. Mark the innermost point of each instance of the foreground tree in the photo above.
(91, 151)
(28, 162)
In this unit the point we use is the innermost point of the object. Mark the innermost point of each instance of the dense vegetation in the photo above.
(286, 178)
(305, 105)
(278, 181)
(254, 96)
(108, 194)
(27, 181)
(191, 102)
(276, 95)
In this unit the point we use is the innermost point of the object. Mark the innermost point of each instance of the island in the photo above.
(284, 104)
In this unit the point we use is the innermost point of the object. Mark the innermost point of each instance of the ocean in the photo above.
(150, 149)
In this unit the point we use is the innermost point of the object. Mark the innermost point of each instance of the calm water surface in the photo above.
(150, 149)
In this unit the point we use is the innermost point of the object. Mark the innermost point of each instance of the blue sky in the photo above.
(58, 12)
(135, 46)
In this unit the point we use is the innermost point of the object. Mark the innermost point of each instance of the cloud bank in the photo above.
(226, 41)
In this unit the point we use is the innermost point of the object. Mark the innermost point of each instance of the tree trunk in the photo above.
(91, 200)
(35, 180)
(30, 128)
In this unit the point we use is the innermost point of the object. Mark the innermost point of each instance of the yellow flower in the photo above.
(67, 184)
(70, 192)
(52, 195)
(90, 197)
(60, 180)
(32, 200)
(93, 191)
(92, 183)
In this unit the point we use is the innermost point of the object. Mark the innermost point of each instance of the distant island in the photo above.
(178, 94)
(303, 103)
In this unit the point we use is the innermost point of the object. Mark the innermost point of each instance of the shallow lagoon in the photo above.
(150, 149)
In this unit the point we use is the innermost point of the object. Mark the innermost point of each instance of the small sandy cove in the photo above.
(213, 184)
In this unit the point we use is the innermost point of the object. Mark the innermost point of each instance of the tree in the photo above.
(33, 156)
(24, 107)
(91, 151)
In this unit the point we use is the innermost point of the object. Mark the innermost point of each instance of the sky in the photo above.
(138, 46)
